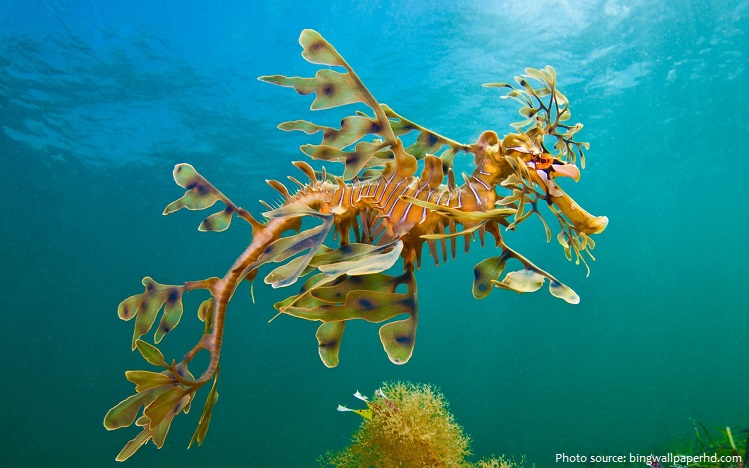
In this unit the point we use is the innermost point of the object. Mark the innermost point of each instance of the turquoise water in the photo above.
(98, 101)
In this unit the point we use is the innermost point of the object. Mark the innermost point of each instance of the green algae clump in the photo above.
(407, 425)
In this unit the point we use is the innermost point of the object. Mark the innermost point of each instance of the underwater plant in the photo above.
(719, 447)
(407, 425)
(379, 212)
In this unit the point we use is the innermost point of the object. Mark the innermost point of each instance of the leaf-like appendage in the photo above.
(564, 292)
(205, 416)
(486, 271)
(548, 75)
(426, 143)
(217, 222)
(329, 336)
(322, 289)
(324, 153)
(454, 213)
(303, 126)
(160, 431)
(359, 259)
(133, 446)
(171, 316)
(353, 128)
(374, 293)
(331, 88)
(372, 306)
(371, 297)
(293, 210)
(157, 410)
(163, 398)
(157, 433)
(123, 414)
(144, 380)
(359, 158)
(287, 247)
(355, 160)
(205, 310)
(318, 50)
(145, 307)
(146, 317)
(398, 339)
(284, 272)
(451, 235)
(150, 353)
(522, 281)
(545, 110)
(200, 193)
(497, 85)
(529, 279)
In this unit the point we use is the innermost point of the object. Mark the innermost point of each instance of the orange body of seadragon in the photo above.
(380, 212)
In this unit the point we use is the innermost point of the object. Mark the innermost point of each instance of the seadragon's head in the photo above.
(527, 163)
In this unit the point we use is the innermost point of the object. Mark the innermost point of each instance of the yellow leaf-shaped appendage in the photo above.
(331, 88)
(144, 380)
(398, 338)
(124, 413)
(150, 353)
(157, 410)
(329, 341)
(200, 193)
(318, 50)
(145, 308)
(486, 271)
(205, 417)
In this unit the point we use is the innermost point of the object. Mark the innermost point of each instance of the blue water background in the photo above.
(99, 99)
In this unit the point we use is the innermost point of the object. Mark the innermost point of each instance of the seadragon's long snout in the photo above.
(544, 173)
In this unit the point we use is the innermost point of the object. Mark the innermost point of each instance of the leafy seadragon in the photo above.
(381, 212)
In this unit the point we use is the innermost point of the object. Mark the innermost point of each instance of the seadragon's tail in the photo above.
(348, 278)
(167, 393)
